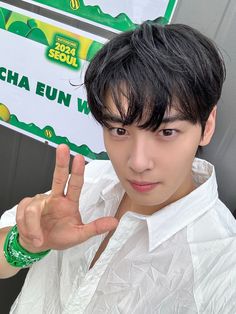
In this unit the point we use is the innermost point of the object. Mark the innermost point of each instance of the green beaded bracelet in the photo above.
(16, 255)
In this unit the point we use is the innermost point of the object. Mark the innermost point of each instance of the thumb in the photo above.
(98, 226)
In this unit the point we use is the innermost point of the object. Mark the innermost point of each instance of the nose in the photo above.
(140, 156)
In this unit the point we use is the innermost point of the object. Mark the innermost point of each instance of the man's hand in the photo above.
(53, 221)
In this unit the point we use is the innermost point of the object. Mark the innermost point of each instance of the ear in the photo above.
(209, 128)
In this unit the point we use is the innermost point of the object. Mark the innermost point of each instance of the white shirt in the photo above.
(181, 259)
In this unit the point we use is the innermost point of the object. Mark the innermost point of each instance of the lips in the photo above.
(143, 186)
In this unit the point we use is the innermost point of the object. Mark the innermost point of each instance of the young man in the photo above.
(146, 232)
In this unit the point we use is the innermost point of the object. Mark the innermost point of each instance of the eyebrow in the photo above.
(165, 120)
(113, 118)
(174, 118)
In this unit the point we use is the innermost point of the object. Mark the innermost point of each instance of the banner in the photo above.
(121, 15)
(42, 67)
(41, 71)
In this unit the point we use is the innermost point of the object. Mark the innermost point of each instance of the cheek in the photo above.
(115, 153)
(190, 148)
(107, 144)
(178, 162)
(111, 149)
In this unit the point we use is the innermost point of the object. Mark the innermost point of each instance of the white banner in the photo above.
(37, 81)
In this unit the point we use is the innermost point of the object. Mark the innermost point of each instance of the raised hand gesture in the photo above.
(53, 221)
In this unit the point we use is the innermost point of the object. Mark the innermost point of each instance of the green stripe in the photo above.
(169, 9)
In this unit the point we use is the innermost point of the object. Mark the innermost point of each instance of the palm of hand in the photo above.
(61, 222)
(53, 221)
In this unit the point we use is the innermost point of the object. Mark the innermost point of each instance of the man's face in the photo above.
(154, 168)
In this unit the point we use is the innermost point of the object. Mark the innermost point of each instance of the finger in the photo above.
(61, 171)
(32, 219)
(76, 179)
(20, 217)
(99, 226)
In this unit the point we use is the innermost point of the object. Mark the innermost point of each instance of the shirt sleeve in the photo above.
(8, 218)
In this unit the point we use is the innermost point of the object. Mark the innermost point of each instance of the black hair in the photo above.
(156, 67)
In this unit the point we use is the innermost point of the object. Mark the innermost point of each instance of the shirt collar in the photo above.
(169, 220)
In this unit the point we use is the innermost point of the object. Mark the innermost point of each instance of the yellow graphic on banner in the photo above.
(44, 33)
(4, 113)
(74, 4)
(48, 132)
(65, 50)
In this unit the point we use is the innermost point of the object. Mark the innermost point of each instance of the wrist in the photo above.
(29, 248)
(16, 255)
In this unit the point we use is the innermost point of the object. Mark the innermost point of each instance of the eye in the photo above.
(118, 131)
(168, 132)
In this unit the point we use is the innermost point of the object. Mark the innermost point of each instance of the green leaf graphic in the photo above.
(37, 35)
(7, 14)
(2, 19)
(19, 28)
